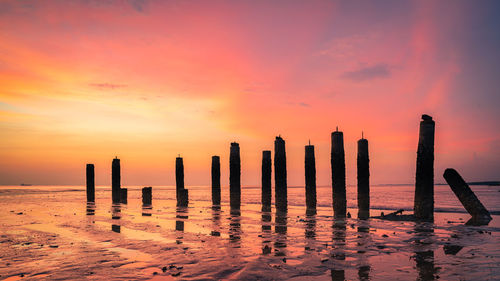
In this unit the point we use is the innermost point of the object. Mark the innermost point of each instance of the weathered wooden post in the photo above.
(115, 180)
(266, 181)
(123, 195)
(216, 180)
(480, 216)
(363, 179)
(90, 183)
(338, 175)
(235, 176)
(181, 192)
(280, 184)
(310, 173)
(424, 180)
(147, 195)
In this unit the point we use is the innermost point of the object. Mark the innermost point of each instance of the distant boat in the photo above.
(26, 184)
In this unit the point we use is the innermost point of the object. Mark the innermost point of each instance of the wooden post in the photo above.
(147, 195)
(123, 195)
(90, 183)
(235, 176)
(181, 192)
(363, 179)
(338, 175)
(115, 180)
(480, 216)
(216, 180)
(280, 184)
(310, 173)
(266, 181)
(424, 180)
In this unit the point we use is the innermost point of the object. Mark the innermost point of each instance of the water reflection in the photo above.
(235, 228)
(115, 217)
(424, 254)
(90, 208)
(310, 232)
(266, 232)
(181, 214)
(364, 272)
(280, 228)
(147, 210)
(216, 212)
(364, 240)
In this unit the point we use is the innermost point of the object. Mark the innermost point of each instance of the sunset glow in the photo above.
(85, 81)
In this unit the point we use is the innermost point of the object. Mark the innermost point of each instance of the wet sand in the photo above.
(52, 234)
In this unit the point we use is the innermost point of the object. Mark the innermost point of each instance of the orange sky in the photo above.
(83, 81)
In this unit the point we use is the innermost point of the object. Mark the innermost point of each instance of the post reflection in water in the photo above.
(338, 252)
(280, 228)
(116, 216)
(310, 231)
(363, 240)
(216, 221)
(147, 210)
(235, 228)
(90, 208)
(266, 232)
(181, 214)
(424, 253)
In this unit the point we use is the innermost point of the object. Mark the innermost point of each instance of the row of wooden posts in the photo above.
(424, 181)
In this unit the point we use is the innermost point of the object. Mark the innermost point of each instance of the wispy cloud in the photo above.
(107, 86)
(380, 70)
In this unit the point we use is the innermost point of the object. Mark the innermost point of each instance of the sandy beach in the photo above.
(50, 233)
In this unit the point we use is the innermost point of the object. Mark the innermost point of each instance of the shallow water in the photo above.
(51, 233)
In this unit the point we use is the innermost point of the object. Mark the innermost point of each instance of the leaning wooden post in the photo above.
(280, 184)
(215, 180)
(471, 203)
(90, 183)
(363, 179)
(147, 195)
(181, 192)
(115, 180)
(338, 175)
(310, 173)
(266, 181)
(234, 176)
(424, 180)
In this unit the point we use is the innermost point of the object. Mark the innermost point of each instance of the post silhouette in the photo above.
(235, 176)
(310, 173)
(123, 195)
(424, 180)
(181, 192)
(280, 185)
(215, 180)
(90, 183)
(338, 175)
(147, 195)
(363, 179)
(266, 180)
(467, 197)
(115, 180)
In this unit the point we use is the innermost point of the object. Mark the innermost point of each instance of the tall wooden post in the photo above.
(266, 180)
(363, 179)
(90, 183)
(424, 180)
(115, 180)
(280, 184)
(181, 192)
(235, 176)
(338, 175)
(215, 180)
(310, 173)
(147, 195)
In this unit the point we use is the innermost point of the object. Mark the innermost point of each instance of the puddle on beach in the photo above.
(57, 235)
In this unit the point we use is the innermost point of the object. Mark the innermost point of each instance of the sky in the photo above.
(85, 81)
